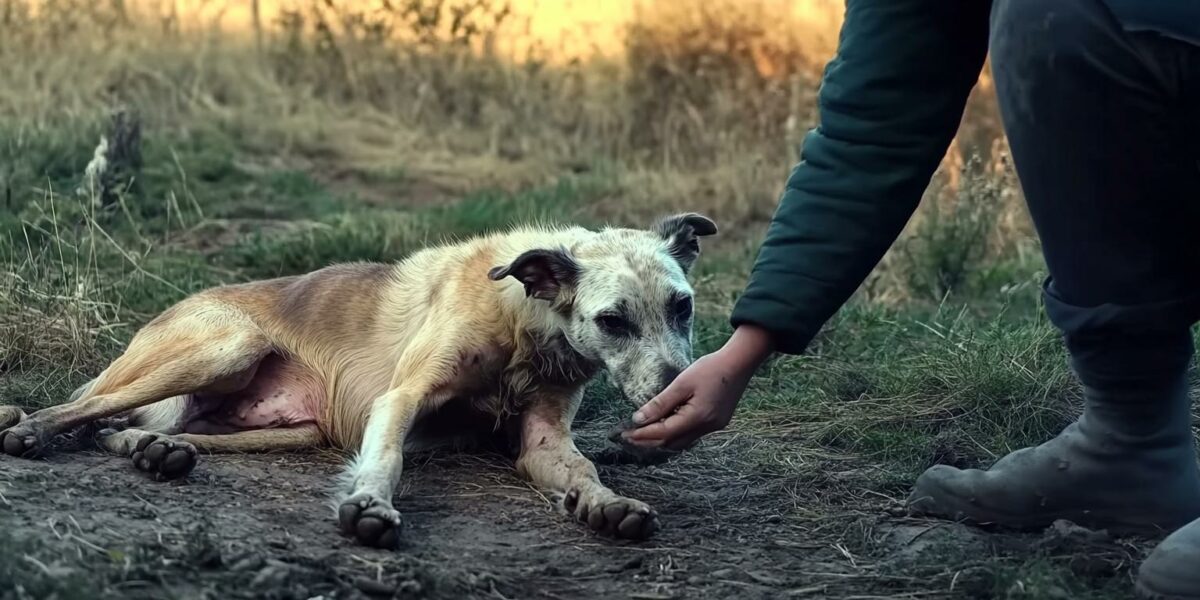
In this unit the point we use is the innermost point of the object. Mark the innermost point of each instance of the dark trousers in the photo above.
(1104, 128)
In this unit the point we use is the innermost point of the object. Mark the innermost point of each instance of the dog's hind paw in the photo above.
(25, 439)
(9, 416)
(371, 521)
(164, 458)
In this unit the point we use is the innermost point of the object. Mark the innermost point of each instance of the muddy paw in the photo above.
(615, 516)
(25, 439)
(371, 521)
(163, 457)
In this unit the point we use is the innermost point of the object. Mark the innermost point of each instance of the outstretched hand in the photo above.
(703, 398)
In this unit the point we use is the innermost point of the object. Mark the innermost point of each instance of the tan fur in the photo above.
(389, 345)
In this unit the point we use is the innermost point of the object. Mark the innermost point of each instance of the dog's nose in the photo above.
(666, 377)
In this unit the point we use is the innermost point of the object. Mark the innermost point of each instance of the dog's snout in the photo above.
(667, 376)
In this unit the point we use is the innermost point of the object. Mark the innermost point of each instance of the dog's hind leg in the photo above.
(200, 347)
(81, 390)
(9, 416)
(12, 415)
(165, 456)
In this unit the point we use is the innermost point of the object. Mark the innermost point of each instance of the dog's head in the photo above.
(624, 297)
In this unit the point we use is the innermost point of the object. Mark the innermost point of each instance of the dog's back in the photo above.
(337, 334)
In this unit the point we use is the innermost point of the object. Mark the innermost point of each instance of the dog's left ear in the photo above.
(682, 233)
(544, 272)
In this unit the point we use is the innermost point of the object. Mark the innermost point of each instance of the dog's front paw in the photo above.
(371, 521)
(613, 515)
(26, 439)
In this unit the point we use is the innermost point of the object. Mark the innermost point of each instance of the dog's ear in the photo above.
(543, 272)
(682, 233)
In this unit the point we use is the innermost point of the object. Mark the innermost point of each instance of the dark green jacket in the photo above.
(1179, 19)
(890, 103)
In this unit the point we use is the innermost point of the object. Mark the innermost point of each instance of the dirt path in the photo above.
(87, 525)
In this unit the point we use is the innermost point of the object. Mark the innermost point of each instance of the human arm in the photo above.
(890, 103)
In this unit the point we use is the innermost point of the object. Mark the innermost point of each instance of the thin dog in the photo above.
(495, 335)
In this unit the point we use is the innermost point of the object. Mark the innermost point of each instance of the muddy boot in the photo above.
(1128, 464)
(1171, 572)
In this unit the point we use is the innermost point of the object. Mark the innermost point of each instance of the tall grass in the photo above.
(715, 96)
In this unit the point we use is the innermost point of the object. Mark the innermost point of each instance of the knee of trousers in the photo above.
(1115, 342)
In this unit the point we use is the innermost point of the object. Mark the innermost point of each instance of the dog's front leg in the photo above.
(366, 513)
(551, 461)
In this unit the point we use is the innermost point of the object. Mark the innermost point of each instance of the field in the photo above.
(330, 131)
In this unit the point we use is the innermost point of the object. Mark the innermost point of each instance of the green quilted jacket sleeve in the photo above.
(890, 103)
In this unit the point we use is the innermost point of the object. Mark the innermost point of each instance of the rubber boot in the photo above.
(1128, 464)
(1172, 571)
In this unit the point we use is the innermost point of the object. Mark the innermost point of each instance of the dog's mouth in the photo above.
(639, 398)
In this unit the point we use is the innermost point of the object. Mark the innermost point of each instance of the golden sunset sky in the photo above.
(563, 28)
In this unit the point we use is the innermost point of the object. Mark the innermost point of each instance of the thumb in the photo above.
(665, 402)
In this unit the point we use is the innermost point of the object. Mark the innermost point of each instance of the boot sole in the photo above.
(1117, 523)
(1113, 526)
(1145, 593)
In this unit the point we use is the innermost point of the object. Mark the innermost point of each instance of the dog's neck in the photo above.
(555, 362)
(540, 328)
(541, 361)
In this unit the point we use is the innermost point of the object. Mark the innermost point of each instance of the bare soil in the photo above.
(80, 523)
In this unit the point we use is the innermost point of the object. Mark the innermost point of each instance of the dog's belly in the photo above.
(282, 393)
(459, 424)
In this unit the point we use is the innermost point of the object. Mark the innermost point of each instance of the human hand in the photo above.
(702, 399)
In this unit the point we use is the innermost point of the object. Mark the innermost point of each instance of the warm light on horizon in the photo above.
(557, 29)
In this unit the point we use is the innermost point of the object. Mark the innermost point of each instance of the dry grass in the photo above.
(705, 104)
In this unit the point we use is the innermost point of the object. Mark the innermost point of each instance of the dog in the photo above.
(491, 336)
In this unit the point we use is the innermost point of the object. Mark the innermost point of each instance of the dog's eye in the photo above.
(614, 325)
(682, 309)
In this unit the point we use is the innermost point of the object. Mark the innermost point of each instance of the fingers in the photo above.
(687, 439)
(685, 423)
(682, 444)
(665, 402)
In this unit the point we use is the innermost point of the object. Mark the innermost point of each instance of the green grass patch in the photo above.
(1046, 578)
(389, 235)
(909, 390)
